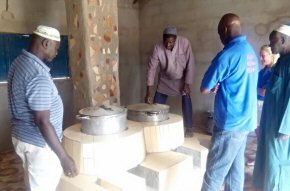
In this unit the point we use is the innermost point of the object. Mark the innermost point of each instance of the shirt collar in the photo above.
(238, 39)
(36, 59)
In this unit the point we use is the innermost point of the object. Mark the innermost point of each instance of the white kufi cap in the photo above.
(47, 32)
(284, 29)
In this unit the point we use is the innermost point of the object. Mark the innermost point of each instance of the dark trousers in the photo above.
(186, 108)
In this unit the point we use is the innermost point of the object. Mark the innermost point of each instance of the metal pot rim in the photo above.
(104, 116)
(100, 112)
(143, 107)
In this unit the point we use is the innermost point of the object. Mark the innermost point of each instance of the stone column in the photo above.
(93, 51)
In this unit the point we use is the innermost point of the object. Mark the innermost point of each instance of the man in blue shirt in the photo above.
(233, 76)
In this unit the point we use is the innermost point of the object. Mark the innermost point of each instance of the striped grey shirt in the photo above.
(31, 88)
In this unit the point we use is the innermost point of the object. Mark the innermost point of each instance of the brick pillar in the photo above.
(93, 51)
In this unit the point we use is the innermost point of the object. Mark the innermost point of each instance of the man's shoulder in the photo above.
(283, 63)
(183, 39)
(27, 68)
(223, 54)
(240, 47)
(23, 59)
(159, 45)
(244, 45)
(285, 58)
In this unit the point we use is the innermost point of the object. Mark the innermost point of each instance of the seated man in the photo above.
(175, 58)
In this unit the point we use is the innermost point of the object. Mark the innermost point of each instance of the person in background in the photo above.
(175, 58)
(272, 166)
(267, 60)
(233, 76)
(37, 113)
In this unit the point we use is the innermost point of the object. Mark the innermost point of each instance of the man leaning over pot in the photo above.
(175, 58)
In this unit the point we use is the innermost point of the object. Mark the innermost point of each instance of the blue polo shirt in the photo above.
(263, 80)
(31, 88)
(236, 69)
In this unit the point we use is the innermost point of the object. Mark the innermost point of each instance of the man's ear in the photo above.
(286, 39)
(283, 39)
(45, 43)
(226, 30)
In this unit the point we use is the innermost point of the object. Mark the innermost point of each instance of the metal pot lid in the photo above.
(98, 111)
(147, 107)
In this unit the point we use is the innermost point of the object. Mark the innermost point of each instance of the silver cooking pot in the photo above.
(103, 120)
(143, 112)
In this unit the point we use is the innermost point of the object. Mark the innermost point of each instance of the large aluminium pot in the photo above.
(103, 120)
(143, 112)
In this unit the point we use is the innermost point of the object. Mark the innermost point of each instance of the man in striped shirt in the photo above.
(37, 113)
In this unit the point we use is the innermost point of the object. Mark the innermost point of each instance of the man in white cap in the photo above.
(175, 59)
(272, 167)
(37, 112)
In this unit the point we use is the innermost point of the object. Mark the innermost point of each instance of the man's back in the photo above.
(236, 68)
(232, 76)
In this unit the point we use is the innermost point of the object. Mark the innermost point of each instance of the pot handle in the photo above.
(150, 113)
(82, 117)
(106, 108)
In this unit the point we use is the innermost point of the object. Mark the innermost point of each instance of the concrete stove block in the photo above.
(122, 181)
(198, 152)
(95, 155)
(163, 136)
(165, 171)
(205, 140)
(194, 179)
(79, 183)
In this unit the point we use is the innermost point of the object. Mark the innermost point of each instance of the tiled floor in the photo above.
(11, 173)
(250, 155)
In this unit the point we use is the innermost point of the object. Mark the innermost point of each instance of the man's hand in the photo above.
(148, 98)
(186, 89)
(42, 120)
(262, 91)
(216, 89)
(210, 91)
(283, 137)
(69, 167)
(257, 131)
